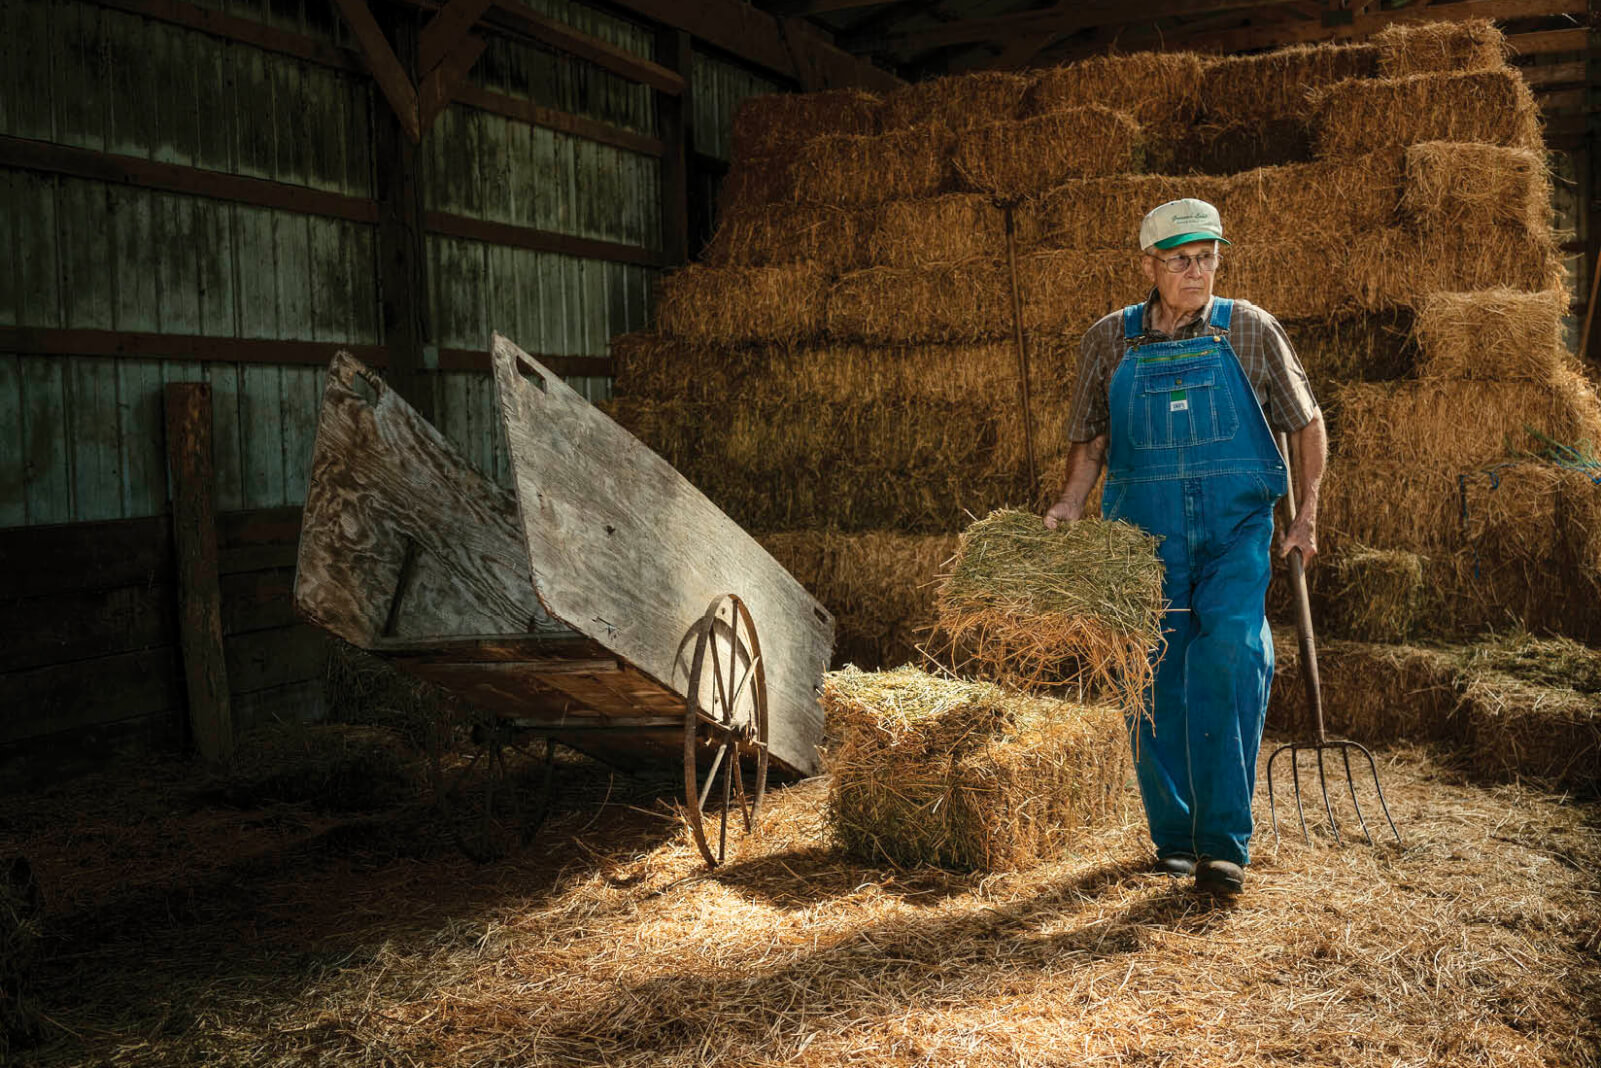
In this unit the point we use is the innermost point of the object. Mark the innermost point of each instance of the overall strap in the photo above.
(1222, 312)
(1133, 321)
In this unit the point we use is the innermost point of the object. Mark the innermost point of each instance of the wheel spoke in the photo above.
(717, 673)
(722, 833)
(711, 776)
(739, 788)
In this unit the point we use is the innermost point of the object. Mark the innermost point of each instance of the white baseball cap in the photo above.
(1178, 222)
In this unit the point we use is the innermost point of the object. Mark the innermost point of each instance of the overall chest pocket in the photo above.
(1182, 405)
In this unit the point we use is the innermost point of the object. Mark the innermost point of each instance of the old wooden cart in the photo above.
(606, 604)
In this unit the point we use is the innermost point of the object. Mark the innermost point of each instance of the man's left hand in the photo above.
(1301, 535)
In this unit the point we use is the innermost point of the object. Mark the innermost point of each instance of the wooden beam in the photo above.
(672, 119)
(387, 70)
(176, 178)
(495, 233)
(566, 366)
(194, 530)
(1557, 74)
(1547, 41)
(38, 341)
(245, 31)
(446, 29)
(1563, 98)
(787, 9)
(513, 107)
(514, 15)
(792, 48)
(441, 83)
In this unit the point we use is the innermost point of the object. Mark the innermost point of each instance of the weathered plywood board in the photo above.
(637, 555)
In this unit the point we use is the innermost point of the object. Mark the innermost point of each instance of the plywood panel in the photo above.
(44, 440)
(95, 438)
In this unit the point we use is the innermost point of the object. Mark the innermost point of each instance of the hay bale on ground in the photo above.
(1026, 157)
(965, 775)
(1275, 86)
(774, 124)
(774, 235)
(1534, 713)
(855, 171)
(1161, 90)
(956, 101)
(739, 305)
(1416, 48)
(1499, 334)
(1492, 107)
(947, 230)
(1377, 595)
(1452, 186)
(880, 585)
(1030, 607)
(1371, 693)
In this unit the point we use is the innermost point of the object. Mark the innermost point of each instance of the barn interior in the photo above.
(831, 260)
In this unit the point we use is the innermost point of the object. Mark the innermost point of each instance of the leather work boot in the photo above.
(1219, 876)
(1175, 864)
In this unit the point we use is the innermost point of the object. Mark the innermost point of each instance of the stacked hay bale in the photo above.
(839, 373)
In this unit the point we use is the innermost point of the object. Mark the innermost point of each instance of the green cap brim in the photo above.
(1185, 239)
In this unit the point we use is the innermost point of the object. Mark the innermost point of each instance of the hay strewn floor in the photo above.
(606, 943)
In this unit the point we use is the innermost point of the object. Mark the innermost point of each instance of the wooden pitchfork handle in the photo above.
(1303, 603)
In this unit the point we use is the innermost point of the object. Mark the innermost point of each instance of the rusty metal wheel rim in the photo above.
(735, 731)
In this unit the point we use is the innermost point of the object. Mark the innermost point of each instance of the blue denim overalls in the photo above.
(1191, 460)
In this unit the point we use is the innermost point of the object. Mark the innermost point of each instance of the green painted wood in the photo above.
(253, 144)
(226, 437)
(292, 259)
(261, 434)
(27, 80)
(290, 120)
(34, 255)
(364, 302)
(13, 505)
(329, 277)
(82, 37)
(88, 260)
(48, 492)
(176, 51)
(214, 103)
(95, 439)
(140, 418)
(302, 396)
(178, 264)
(214, 268)
(257, 276)
(324, 96)
(134, 251)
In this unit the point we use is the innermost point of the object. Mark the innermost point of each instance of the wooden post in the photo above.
(672, 119)
(194, 530)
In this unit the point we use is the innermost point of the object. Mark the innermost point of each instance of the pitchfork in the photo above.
(1320, 741)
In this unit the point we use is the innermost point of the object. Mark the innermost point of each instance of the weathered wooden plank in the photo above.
(569, 244)
(140, 421)
(325, 100)
(26, 78)
(358, 140)
(214, 104)
(88, 263)
(174, 52)
(214, 265)
(385, 486)
(79, 77)
(34, 255)
(300, 396)
(28, 340)
(95, 440)
(329, 278)
(79, 625)
(295, 702)
(257, 292)
(253, 147)
(227, 437)
(73, 696)
(262, 659)
(47, 459)
(292, 271)
(9, 265)
(597, 505)
(365, 309)
(290, 126)
(189, 453)
(261, 431)
(134, 254)
(13, 508)
(177, 265)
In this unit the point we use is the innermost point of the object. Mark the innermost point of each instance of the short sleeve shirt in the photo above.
(1264, 350)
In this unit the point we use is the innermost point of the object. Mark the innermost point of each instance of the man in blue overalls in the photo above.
(1175, 398)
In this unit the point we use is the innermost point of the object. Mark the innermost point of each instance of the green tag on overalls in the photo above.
(1178, 400)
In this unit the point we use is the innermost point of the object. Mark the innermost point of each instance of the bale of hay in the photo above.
(947, 230)
(739, 305)
(1377, 595)
(1080, 605)
(965, 775)
(956, 101)
(1273, 277)
(1222, 149)
(1417, 506)
(1452, 186)
(1498, 334)
(1161, 90)
(1026, 157)
(879, 585)
(1390, 267)
(332, 767)
(1065, 292)
(1525, 731)
(776, 235)
(1372, 693)
(364, 690)
(755, 180)
(1276, 86)
(1492, 106)
(1105, 213)
(774, 124)
(855, 171)
(1417, 48)
(1358, 347)
(953, 304)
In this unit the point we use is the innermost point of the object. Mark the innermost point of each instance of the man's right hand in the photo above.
(1063, 511)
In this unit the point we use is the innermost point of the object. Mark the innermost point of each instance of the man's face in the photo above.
(1185, 291)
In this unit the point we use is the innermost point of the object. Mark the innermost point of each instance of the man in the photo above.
(1175, 398)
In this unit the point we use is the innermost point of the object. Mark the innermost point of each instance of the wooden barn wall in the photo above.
(717, 87)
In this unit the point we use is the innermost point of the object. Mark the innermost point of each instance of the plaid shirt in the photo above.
(1270, 364)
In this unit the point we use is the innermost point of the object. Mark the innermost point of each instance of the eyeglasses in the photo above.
(1180, 264)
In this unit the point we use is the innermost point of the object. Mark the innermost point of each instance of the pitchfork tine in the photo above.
(1350, 780)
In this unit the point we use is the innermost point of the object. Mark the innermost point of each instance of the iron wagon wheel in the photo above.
(492, 806)
(725, 726)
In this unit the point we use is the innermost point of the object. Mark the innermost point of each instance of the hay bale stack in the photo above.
(851, 170)
(1027, 157)
(1030, 607)
(1455, 187)
(1498, 334)
(1376, 595)
(1492, 107)
(1275, 87)
(956, 102)
(1534, 713)
(777, 235)
(953, 304)
(740, 305)
(1355, 348)
(880, 585)
(947, 230)
(965, 775)
(1419, 509)
(1371, 693)
(1160, 90)
(775, 124)
(756, 180)
(1394, 267)
(1468, 45)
